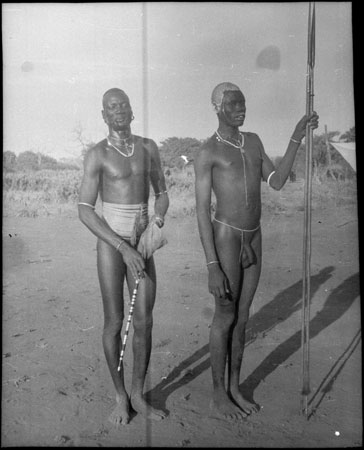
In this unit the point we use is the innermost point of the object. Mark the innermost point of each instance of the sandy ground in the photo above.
(56, 389)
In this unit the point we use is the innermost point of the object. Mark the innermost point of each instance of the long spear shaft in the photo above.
(306, 278)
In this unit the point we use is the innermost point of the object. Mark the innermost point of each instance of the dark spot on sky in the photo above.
(269, 58)
(27, 66)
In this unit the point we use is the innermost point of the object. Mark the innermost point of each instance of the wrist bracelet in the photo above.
(268, 179)
(213, 262)
(119, 245)
(159, 218)
(160, 193)
(295, 141)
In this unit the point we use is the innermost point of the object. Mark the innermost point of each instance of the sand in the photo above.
(56, 387)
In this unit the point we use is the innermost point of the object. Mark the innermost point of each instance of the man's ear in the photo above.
(216, 108)
(103, 115)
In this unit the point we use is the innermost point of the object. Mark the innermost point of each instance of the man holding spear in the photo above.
(121, 169)
(232, 164)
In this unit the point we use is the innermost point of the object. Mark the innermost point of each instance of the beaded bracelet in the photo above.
(160, 193)
(295, 141)
(119, 245)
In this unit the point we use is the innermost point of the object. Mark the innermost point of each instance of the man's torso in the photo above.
(125, 180)
(236, 181)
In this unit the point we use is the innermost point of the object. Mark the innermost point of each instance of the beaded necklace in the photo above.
(128, 147)
(240, 144)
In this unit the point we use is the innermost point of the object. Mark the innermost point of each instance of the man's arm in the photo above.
(158, 182)
(203, 187)
(280, 175)
(86, 211)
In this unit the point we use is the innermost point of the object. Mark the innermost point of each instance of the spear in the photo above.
(305, 335)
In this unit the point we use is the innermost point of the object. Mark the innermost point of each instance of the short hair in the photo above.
(218, 94)
(109, 91)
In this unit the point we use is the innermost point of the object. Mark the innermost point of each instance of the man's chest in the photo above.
(236, 162)
(119, 167)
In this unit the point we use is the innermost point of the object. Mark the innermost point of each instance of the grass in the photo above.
(49, 192)
(40, 193)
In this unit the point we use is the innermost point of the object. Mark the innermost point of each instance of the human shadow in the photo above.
(337, 303)
(286, 303)
(278, 310)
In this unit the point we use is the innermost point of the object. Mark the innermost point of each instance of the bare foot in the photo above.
(224, 407)
(246, 406)
(146, 410)
(121, 413)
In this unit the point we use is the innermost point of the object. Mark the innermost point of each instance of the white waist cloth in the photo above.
(128, 221)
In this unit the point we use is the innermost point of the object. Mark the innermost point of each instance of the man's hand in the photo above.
(158, 220)
(218, 285)
(133, 260)
(300, 130)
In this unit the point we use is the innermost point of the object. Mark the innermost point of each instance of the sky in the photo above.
(59, 59)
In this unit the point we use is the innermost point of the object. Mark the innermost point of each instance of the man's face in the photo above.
(233, 108)
(117, 112)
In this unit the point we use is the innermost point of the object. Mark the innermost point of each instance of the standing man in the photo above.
(232, 164)
(120, 169)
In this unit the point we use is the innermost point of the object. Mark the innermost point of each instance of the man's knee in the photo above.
(225, 312)
(142, 324)
(113, 326)
(243, 317)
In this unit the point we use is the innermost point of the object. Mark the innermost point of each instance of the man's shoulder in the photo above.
(96, 151)
(253, 137)
(251, 134)
(99, 147)
(143, 140)
(208, 146)
(147, 143)
(206, 152)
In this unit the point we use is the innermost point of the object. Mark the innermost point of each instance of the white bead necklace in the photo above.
(129, 148)
(240, 144)
(242, 152)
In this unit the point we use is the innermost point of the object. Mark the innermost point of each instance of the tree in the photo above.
(27, 161)
(79, 136)
(348, 136)
(173, 148)
(9, 160)
(46, 162)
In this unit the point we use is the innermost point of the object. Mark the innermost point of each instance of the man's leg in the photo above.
(111, 271)
(250, 282)
(142, 339)
(227, 242)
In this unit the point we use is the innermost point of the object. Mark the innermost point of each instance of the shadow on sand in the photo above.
(328, 381)
(278, 310)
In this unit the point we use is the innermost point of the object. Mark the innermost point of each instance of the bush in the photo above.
(172, 150)
(35, 193)
(45, 192)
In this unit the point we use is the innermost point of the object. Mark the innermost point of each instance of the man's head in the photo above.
(229, 103)
(117, 112)
(217, 95)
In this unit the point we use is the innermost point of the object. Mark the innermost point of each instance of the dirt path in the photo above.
(56, 387)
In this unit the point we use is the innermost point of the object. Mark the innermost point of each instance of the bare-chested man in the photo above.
(120, 169)
(232, 164)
